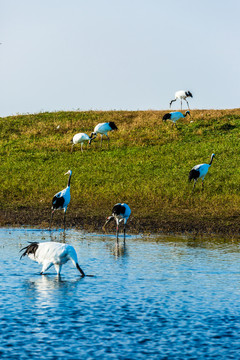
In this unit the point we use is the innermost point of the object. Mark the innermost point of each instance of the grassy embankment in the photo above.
(147, 166)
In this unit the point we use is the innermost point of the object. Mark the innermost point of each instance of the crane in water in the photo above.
(120, 212)
(52, 253)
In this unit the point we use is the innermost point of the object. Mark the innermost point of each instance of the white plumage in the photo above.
(103, 129)
(52, 253)
(120, 212)
(182, 95)
(61, 200)
(174, 116)
(200, 171)
(80, 138)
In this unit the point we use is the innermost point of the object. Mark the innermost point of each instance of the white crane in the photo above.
(80, 138)
(120, 212)
(103, 129)
(199, 172)
(51, 253)
(182, 95)
(61, 200)
(174, 116)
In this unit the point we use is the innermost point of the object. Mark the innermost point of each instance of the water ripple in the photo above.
(157, 299)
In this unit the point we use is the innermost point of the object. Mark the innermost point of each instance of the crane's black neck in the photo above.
(211, 161)
(69, 179)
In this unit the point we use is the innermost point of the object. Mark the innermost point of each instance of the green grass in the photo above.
(147, 166)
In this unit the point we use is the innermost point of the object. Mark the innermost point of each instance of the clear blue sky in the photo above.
(118, 54)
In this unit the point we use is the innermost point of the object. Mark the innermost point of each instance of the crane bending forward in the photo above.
(182, 95)
(120, 212)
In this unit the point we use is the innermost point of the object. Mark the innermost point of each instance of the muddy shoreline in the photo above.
(39, 218)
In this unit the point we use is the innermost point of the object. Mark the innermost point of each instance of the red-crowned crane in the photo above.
(80, 138)
(199, 172)
(103, 129)
(174, 116)
(120, 212)
(182, 95)
(52, 253)
(61, 200)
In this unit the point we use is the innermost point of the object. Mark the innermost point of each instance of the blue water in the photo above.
(155, 298)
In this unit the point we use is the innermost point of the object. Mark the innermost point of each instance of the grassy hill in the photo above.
(147, 166)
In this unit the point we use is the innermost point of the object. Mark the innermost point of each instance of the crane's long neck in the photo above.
(69, 180)
(211, 161)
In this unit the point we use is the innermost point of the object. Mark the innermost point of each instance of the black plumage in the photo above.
(167, 116)
(30, 249)
(57, 202)
(112, 125)
(118, 209)
(193, 174)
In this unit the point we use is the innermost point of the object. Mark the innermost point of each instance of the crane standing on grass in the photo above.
(80, 138)
(52, 253)
(182, 95)
(103, 129)
(174, 116)
(199, 172)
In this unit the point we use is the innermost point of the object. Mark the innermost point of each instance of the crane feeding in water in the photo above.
(61, 200)
(182, 95)
(199, 172)
(120, 212)
(52, 253)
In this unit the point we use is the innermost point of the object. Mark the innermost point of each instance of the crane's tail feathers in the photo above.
(166, 117)
(194, 174)
(113, 125)
(30, 249)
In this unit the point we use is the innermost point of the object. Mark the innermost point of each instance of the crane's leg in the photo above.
(50, 225)
(187, 104)
(117, 232)
(194, 185)
(72, 148)
(58, 268)
(108, 140)
(64, 220)
(202, 186)
(117, 229)
(101, 140)
(124, 233)
(46, 266)
(81, 147)
(181, 104)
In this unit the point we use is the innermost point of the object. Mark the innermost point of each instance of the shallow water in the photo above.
(155, 298)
